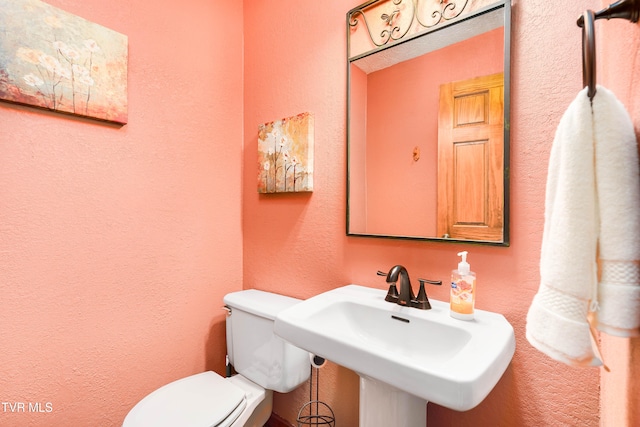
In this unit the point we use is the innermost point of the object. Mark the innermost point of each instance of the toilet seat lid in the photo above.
(201, 400)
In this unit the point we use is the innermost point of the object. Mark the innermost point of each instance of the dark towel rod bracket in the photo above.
(625, 9)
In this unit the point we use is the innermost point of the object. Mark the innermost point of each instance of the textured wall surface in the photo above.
(118, 243)
(295, 62)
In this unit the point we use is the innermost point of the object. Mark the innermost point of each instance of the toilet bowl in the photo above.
(264, 362)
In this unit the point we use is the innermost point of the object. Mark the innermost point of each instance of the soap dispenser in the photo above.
(463, 287)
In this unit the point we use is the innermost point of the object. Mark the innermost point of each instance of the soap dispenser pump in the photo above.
(463, 287)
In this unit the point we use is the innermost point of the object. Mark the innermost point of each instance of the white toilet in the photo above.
(264, 363)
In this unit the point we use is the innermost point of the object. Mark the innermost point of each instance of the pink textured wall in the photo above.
(296, 244)
(117, 244)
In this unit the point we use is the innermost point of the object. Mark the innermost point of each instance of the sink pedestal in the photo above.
(382, 405)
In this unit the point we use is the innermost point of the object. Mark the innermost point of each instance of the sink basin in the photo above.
(425, 353)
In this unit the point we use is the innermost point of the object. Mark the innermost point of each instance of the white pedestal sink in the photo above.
(405, 357)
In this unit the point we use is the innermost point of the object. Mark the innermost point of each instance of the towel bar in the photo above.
(589, 53)
(625, 9)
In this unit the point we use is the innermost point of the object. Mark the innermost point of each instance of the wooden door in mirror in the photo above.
(471, 159)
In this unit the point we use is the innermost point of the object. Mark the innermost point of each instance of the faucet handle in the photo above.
(392, 293)
(431, 282)
(422, 301)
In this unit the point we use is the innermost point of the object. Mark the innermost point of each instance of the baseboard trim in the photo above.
(276, 420)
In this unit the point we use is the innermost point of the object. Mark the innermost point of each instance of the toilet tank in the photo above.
(254, 350)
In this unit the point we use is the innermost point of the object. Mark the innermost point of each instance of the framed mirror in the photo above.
(428, 120)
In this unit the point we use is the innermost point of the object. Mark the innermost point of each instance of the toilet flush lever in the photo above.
(227, 309)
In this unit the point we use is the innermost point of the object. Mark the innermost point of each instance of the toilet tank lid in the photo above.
(260, 303)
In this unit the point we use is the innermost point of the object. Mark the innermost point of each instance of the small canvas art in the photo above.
(54, 60)
(285, 155)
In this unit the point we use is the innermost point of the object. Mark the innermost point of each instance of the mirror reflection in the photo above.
(428, 126)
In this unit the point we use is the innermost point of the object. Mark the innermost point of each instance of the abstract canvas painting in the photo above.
(285, 155)
(54, 60)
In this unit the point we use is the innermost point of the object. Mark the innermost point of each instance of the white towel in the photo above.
(592, 204)
(618, 185)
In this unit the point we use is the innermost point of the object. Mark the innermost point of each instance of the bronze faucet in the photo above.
(406, 296)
